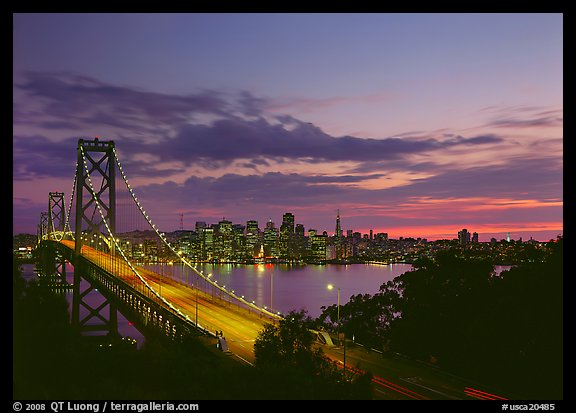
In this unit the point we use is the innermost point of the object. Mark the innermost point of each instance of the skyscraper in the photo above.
(464, 237)
(253, 237)
(317, 245)
(271, 240)
(286, 244)
(338, 237)
(299, 241)
(225, 239)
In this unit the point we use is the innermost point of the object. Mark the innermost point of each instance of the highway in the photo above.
(397, 377)
(239, 325)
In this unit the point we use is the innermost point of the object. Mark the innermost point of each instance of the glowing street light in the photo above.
(331, 287)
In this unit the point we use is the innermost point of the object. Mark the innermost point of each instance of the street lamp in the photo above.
(197, 301)
(331, 287)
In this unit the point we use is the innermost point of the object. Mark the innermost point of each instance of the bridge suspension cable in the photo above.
(180, 257)
(118, 248)
(67, 225)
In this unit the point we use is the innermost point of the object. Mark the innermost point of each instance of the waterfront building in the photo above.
(271, 240)
(225, 238)
(253, 240)
(286, 241)
(209, 243)
(317, 245)
(338, 238)
(299, 241)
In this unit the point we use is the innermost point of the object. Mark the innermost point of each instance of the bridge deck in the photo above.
(239, 325)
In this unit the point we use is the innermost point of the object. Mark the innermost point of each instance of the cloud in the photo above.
(37, 156)
(184, 138)
(85, 101)
(311, 104)
(172, 127)
(230, 139)
(524, 117)
(519, 181)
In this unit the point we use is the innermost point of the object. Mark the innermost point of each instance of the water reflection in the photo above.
(283, 287)
(279, 287)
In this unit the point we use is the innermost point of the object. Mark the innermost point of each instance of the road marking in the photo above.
(243, 359)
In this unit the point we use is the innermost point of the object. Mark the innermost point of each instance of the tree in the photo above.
(288, 343)
(285, 353)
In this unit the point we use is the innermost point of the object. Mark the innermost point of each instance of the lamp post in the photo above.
(197, 285)
(331, 287)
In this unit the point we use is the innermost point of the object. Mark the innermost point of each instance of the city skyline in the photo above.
(262, 224)
(417, 125)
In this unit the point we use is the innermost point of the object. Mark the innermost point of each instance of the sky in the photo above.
(417, 125)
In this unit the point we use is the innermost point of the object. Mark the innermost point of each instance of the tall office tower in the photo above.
(225, 238)
(475, 237)
(253, 237)
(271, 240)
(200, 243)
(252, 227)
(371, 235)
(464, 237)
(318, 246)
(338, 237)
(299, 241)
(208, 250)
(286, 243)
(288, 219)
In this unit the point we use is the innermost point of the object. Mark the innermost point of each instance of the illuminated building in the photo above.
(464, 237)
(286, 241)
(224, 241)
(253, 237)
(299, 241)
(338, 238)
(271, 240)
(209, 243)
(317, 245)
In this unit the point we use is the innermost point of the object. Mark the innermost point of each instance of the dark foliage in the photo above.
(287, 350)
(505, 330)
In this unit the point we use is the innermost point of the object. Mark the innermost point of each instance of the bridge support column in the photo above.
(52, 265)
(89, 312)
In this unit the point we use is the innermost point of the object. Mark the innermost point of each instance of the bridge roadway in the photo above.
(239, 325)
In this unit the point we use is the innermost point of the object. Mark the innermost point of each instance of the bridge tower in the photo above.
(42, 226)
(56, 213)
(56, 266)
(101, 165)
(95, 173)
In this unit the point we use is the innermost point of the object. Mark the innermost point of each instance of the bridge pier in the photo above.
(52, 266)
(106, 321)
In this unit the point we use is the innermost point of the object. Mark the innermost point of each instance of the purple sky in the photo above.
(412, 124)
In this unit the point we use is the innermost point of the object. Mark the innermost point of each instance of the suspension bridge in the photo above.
(89, 233)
